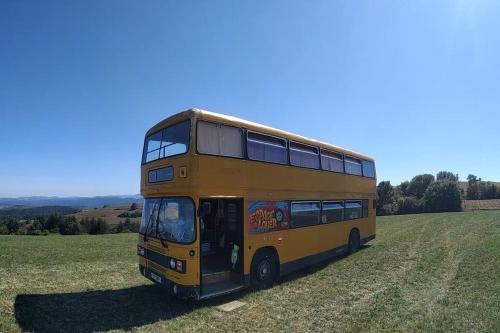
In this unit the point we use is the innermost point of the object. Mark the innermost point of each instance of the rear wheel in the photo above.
(263, 270)
(354, 242)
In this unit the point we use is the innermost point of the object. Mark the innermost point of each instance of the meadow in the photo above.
(425, 272)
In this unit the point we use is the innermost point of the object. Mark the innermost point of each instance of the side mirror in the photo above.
(205, 209)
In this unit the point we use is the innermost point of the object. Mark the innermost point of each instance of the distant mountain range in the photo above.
(77, 202)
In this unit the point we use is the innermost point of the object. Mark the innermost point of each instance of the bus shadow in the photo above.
(125, 309)
(99, 310)
(318, 267)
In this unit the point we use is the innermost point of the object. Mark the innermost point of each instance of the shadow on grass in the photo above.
(318, 267)
(100, 310)
(104, 310)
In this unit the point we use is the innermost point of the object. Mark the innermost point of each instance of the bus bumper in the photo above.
(175, 289)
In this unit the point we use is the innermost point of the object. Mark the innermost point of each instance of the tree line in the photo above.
(477, 189)
(64, 225)
(424, 193)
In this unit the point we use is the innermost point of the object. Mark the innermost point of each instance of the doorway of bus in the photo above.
(221, 225)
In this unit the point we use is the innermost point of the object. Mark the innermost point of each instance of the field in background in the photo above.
(482, 204)
(110, 213)
(430, 272)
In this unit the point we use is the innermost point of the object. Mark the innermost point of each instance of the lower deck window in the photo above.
(305, 213)
(333, 211)
(353, 210)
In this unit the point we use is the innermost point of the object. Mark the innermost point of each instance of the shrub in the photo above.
(443, 197)
(418, 185)
(409, 205)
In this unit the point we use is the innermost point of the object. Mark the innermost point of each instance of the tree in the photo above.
(419, 184)
(446, 176)
(133, 206)
(442, 196)
(409, 205)
(385, 195)
(403, 188)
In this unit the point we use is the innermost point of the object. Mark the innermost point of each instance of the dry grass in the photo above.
(110, 214)
(427, 272)
(482, 204)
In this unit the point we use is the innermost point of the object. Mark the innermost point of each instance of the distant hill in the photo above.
(77, 202)
(24, 212)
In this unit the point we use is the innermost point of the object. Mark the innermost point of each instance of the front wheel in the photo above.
(263, 270)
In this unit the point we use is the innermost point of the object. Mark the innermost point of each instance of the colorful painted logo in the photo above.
(266, 216)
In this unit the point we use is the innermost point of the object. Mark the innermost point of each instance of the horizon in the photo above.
(415, 85)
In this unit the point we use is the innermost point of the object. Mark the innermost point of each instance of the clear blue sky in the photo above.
(414, 84)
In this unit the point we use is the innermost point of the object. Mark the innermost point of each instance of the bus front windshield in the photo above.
(170, 219)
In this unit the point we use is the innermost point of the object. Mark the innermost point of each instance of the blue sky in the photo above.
(414, 84)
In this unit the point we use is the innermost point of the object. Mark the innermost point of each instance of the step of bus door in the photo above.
(216, 277)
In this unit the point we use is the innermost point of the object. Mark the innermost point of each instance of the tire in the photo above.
(263, 270)
(354, 241)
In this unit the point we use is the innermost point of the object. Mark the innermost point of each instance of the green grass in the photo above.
(428, 272)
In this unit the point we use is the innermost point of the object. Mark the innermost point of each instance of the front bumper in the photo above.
(175, 289)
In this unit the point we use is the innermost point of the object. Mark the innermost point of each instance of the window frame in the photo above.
(144, 153)
(342, 202)
(195, 216)
(373, 167)
(243, 139)
(318, 155)
(305, 226)
(285, 140)
(333, 152)
(360, 201)
(360, 165)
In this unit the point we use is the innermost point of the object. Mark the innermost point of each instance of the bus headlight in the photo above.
(172, 263)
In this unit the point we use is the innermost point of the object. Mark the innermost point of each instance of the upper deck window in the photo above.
(304, 155)
(332, 161)
(218, 139)
(266, 148)
(173, 140)
(368, 169)
(352, 166)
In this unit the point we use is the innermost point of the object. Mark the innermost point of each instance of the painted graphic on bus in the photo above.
(266, 216)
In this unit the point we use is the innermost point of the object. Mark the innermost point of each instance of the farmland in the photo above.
(110, 213)
(426, 272)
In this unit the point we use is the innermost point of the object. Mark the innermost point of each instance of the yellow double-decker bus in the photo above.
(231, 204)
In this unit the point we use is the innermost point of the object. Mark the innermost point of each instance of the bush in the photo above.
(443, 197)
(3, 229)
(69, 226)
(35, 228)
(418, 185)
(410, 205)
(95, 226)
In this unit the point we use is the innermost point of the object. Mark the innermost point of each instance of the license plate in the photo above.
(156, 277)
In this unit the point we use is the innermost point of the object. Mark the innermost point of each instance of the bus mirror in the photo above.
(206, 209)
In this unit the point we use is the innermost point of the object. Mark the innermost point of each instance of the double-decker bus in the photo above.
(231, 203)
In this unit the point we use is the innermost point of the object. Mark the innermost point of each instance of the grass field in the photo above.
(428, 272)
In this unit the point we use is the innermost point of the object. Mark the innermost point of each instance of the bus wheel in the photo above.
(263, 270)
(354, 242)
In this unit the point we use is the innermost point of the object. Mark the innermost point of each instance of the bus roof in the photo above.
(235, 121)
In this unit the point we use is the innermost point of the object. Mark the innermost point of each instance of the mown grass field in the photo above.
(428, 272)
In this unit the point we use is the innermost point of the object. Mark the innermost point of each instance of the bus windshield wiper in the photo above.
(145, 237)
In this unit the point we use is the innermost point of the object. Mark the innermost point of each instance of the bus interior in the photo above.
(221, 245)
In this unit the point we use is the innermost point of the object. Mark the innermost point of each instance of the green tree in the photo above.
(419, 184)
(385, 195)
(409, 205)
(443, 197)
(472, 187)
(446, 176)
